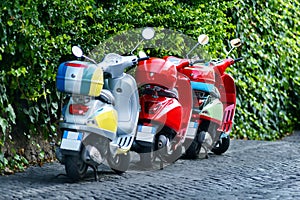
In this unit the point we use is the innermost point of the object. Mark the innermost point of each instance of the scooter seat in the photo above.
(168, 93)
(163, 93)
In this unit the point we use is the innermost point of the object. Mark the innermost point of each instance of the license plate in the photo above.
(192, 130)
(145, 133)
(71, 140)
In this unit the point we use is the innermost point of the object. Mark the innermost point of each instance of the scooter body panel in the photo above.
(156, 71)
(161, 110)
(213, 111)
(97, 111)
(125, 91)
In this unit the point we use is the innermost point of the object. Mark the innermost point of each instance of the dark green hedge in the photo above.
(37, 35)
(269, 79)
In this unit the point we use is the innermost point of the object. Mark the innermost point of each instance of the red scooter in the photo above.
(166, 108)
(214, 102)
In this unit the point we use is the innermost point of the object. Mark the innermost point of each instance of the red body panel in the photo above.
(212, 74)
(200, 74)
(225, 83)
(156, 71)
(171, 112)
(168, 111)
(185, 98)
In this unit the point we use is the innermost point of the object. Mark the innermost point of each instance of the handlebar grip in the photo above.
(145, 58)
(238, 59)
(198, 61)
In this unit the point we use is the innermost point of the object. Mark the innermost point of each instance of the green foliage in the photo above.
(269, 80)
(37, 35)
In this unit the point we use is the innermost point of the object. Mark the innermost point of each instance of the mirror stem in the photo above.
(229, 51)
(89, 59)
(187, 55)
(136, 46)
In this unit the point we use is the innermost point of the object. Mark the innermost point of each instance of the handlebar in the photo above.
(198, 61)
(134, 63)
(238, 59)
(145, 58)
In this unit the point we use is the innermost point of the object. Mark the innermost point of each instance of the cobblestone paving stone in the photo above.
(249, 170)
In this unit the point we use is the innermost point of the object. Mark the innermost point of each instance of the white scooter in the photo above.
(100, 120)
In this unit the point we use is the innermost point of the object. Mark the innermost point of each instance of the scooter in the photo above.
(100, 120)
(165, 99)
(214, 104)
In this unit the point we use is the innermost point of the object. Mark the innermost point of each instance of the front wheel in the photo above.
(75, 167)
(194, 148)
(222, 145)
(119, 163)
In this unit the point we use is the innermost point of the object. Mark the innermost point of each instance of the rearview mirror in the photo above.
(77, 51)
(203, 39)
(235, 42)
(148, 33)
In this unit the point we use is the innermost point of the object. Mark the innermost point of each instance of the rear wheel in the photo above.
(75, 167)
(193, 150)
(222, 145)
(119, 163)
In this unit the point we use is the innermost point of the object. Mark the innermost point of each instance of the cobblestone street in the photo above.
(248, 170)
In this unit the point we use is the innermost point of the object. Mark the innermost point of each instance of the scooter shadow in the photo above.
(103, 173)
(54, 173)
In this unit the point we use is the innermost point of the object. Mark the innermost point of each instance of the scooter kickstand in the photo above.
(95, 172)
(58, 175)
(161, 163)
(206, 151)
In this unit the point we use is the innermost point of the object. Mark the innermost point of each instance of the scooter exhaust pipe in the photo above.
(91, 155)
(162, 141)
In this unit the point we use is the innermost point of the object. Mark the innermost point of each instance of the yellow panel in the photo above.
(107, 120)
(96, 82)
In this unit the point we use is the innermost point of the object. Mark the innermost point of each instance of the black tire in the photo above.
(75, 168)
(221, 146)
(193, 150)
(119, 163)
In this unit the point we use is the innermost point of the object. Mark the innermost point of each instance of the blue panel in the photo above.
(195, 125)
(60, 77)
(65, 136)
(153, 130)
(80, 136)
(206, 87)
(140, 128)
